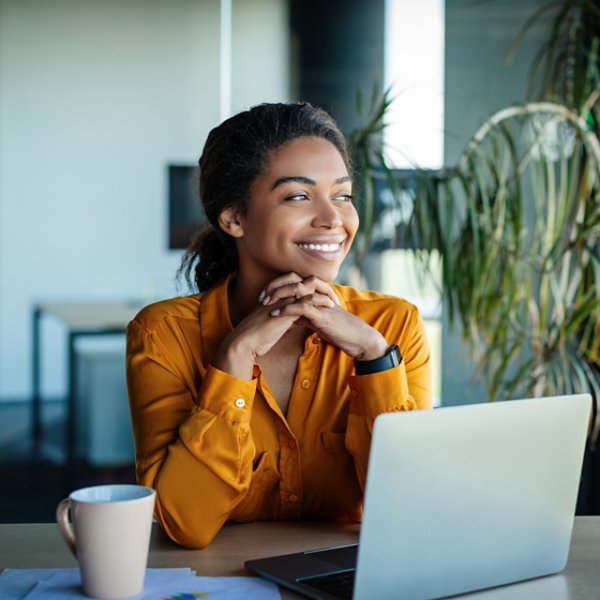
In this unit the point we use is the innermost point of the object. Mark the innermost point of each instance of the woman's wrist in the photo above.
(234, 358)
(375, 348)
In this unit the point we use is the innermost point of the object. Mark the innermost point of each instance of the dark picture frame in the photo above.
(185, 213)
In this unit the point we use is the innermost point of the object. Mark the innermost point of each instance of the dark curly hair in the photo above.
(235, 154)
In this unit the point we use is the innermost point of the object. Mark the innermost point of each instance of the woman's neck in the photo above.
(242, 296)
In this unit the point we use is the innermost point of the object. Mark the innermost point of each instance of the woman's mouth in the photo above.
(321, 247)
(322, 250)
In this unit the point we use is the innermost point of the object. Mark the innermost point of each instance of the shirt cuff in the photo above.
(227, 396)
(384, 391)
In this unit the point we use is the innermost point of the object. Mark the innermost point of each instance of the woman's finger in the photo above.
(298, 290)
(310, 307)
(332, 323)
(294, 290)
(317, 299)
(283, 280)
(322, 287)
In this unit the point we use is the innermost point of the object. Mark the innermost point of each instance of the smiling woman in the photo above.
(300, 217)
(255, 398)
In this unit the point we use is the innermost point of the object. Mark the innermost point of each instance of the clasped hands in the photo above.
(293, 301)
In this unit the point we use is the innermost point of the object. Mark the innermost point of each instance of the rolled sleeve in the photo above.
(385, 391)
(226, 396)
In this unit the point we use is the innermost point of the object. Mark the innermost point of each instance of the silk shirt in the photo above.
(218, 448)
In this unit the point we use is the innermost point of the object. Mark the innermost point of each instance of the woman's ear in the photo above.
(230, 222)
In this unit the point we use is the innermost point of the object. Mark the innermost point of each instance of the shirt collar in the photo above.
(339, 292)
(215, 322)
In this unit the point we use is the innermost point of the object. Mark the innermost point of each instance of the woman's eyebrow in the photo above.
(306, 180)
(294, 179)
(343, 179)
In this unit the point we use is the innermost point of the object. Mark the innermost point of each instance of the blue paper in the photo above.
(159, 584)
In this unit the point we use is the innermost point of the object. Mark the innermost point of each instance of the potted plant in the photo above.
(516, 222)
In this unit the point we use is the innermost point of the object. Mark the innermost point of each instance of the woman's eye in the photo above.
(297, 197)
(344, 197)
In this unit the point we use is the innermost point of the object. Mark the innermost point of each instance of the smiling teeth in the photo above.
(321, 247)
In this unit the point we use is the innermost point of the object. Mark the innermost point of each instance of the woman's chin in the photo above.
(324, 274)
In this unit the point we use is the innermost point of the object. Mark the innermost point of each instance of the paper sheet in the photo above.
(159, 584)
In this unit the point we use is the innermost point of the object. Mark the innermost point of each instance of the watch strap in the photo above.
(392, 358)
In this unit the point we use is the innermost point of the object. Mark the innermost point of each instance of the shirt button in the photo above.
(240, 403)
(354, 393)
(292, 443)
(293, 498)
(305, 384)
(316, 340)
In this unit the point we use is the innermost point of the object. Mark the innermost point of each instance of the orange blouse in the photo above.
(218, 448)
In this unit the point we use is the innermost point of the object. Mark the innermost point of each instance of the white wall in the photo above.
(260, 53)
(96, 98)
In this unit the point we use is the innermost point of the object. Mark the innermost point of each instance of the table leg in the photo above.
(36, 396)
(72, 400)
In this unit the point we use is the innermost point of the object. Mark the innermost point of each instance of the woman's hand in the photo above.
(256, 334)
(293, 301)
(313, 303)
(253, 337)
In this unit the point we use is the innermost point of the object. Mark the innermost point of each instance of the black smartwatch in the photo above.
(392, 358)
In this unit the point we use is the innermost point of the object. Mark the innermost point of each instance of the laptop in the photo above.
(457, 499)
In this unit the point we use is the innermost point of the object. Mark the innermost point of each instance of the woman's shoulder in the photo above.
(361, 300)
(392, 316)
(154, 315)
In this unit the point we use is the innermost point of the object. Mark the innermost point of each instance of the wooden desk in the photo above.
(40, 545)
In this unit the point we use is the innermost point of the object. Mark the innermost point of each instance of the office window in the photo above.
(414, 66)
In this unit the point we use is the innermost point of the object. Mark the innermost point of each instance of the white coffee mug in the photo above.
(109, 536)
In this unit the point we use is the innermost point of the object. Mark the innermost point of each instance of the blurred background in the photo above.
(104, 109)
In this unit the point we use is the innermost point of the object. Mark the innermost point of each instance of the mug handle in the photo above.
(64, 525)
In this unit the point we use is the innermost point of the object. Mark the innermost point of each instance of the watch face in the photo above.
(395, 355)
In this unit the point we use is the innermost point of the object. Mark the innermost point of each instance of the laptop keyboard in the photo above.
(339, 585)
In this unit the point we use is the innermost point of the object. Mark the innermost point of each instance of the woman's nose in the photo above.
(326, 215)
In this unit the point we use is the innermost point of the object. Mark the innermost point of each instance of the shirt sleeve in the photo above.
(404, 387)
(193, 447)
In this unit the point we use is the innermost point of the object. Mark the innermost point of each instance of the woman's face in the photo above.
(300, 216)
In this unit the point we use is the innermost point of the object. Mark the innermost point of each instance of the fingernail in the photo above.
(262, 295)
(266, 300)
(275, 312)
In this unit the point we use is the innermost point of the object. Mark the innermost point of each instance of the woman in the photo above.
(255, 399)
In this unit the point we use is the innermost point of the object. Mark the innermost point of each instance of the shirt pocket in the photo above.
(333, 441)
(339, 494)
(256, 504)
